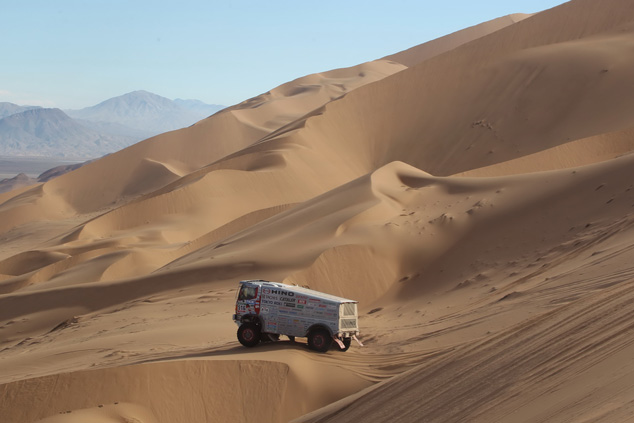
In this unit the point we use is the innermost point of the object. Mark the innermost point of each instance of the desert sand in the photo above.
(475, 194)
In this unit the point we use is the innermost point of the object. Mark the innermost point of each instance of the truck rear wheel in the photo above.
(346, 344)
(319, 340)
(249, 334)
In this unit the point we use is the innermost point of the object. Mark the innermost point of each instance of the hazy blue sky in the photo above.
(77, 53)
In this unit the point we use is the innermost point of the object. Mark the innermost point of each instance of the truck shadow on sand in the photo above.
(230, 350)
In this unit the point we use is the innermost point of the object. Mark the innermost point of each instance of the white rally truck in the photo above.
(265, 310)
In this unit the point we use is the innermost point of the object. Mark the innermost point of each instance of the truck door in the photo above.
(248, 300)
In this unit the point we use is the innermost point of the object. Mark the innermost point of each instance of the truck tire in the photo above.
(346, 344)
(319, 340)
(249, 334)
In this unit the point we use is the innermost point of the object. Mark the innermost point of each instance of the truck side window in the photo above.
(248, 293)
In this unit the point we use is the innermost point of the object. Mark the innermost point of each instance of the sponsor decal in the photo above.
(292, 305)
(280, 292)
(300, 306)
(267, 291)
(314, 300)
(301, 301)
(287, 300)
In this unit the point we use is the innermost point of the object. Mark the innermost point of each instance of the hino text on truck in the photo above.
(265, 310)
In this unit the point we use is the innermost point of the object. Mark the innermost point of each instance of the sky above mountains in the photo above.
(75, 53)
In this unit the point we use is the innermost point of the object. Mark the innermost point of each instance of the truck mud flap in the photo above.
(338, 341)
(358, 342)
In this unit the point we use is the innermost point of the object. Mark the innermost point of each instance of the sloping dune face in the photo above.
(540, 83)
(475, 194)
(422, 52)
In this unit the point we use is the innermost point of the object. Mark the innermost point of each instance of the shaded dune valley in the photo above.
(474, 193)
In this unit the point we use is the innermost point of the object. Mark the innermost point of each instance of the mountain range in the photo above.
(146, 112)
(52, 133)
(8, 109)
(97, 130)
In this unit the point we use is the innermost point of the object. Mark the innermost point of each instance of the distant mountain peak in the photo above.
(41, 113)
(8, 109)
(146, 111)
(94, 131)
(141, 94)
(52, 133)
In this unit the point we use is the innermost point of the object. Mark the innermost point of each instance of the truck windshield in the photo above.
(247, 293)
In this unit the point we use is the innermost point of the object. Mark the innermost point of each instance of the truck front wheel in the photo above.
(249, 334)
(319, 340)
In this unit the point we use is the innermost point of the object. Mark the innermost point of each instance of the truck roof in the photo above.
(299, 289)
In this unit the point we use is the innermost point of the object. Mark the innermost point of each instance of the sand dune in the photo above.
(474, 193)
(422, 52)
(567, 368)
(497, 98)
(581, 152)
(190, 390)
